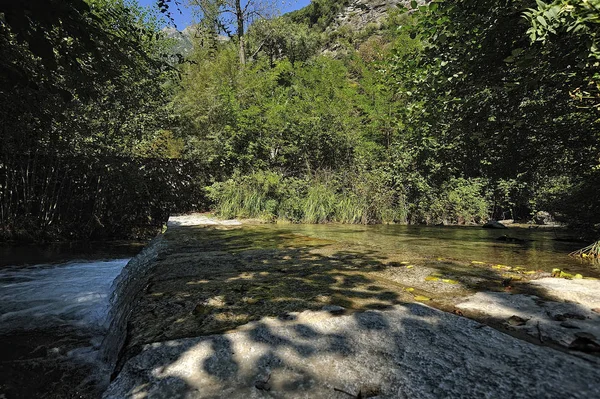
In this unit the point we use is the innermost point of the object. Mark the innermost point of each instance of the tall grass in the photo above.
(252, 196)
(320, 203)
(366, 197)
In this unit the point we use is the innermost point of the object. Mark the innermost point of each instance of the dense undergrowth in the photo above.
(365, 198)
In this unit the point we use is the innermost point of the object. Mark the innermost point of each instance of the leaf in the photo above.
(449, 281)
(422, 298)
(413, 4)
(542, 20)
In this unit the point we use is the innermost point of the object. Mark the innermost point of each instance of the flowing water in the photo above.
(53, 316)
(73, 294)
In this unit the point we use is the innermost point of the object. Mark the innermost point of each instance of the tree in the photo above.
(83, 83)
(579, 20)
(219, 16)
(281, 38)
(484, 103)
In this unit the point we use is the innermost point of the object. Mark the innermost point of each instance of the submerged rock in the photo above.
(506, 238)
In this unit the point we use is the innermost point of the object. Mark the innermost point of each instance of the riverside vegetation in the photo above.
(437, 112)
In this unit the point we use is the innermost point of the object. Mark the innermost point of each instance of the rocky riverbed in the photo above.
(251, 311)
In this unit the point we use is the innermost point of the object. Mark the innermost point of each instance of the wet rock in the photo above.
(334, 309)
(493, 224)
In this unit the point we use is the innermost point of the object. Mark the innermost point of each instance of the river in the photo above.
(54, 299)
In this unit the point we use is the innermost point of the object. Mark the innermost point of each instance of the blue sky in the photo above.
(185, 18)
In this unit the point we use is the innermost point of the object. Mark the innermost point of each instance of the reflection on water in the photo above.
(34, 254)
(542, 249)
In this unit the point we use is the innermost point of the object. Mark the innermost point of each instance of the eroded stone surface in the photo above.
(268, 288)
(584, 292)
(410, 351)
(561, 322)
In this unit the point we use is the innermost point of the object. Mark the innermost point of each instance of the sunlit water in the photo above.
(541, 249)
(73, 294)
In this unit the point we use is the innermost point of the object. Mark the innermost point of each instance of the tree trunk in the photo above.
(239, 13)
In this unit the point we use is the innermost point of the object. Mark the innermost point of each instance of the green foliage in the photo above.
(85, 83)
(580, 22)
(319, 14)
(325, 197)
(453, 113)
(252, 196)
(320, 201)
(483, 103)
(282, 39)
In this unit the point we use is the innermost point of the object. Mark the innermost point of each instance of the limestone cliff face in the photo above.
(359, 13)
(183, 40)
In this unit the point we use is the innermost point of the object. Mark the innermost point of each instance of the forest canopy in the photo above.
(446, 112)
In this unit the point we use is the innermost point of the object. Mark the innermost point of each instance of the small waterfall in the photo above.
(68, 319)
(73, 294)
(126, 287)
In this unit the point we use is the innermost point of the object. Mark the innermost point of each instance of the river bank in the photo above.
(215, 288)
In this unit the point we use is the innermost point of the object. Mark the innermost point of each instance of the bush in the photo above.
(457, 201)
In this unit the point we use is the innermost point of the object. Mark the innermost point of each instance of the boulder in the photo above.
(543, 218)
(494, 224)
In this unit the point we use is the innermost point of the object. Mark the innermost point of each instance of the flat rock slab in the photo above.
(409, 351)
(585, 292)
(563, 320)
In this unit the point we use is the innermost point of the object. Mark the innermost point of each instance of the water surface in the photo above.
(54, 303)
(542, 249)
